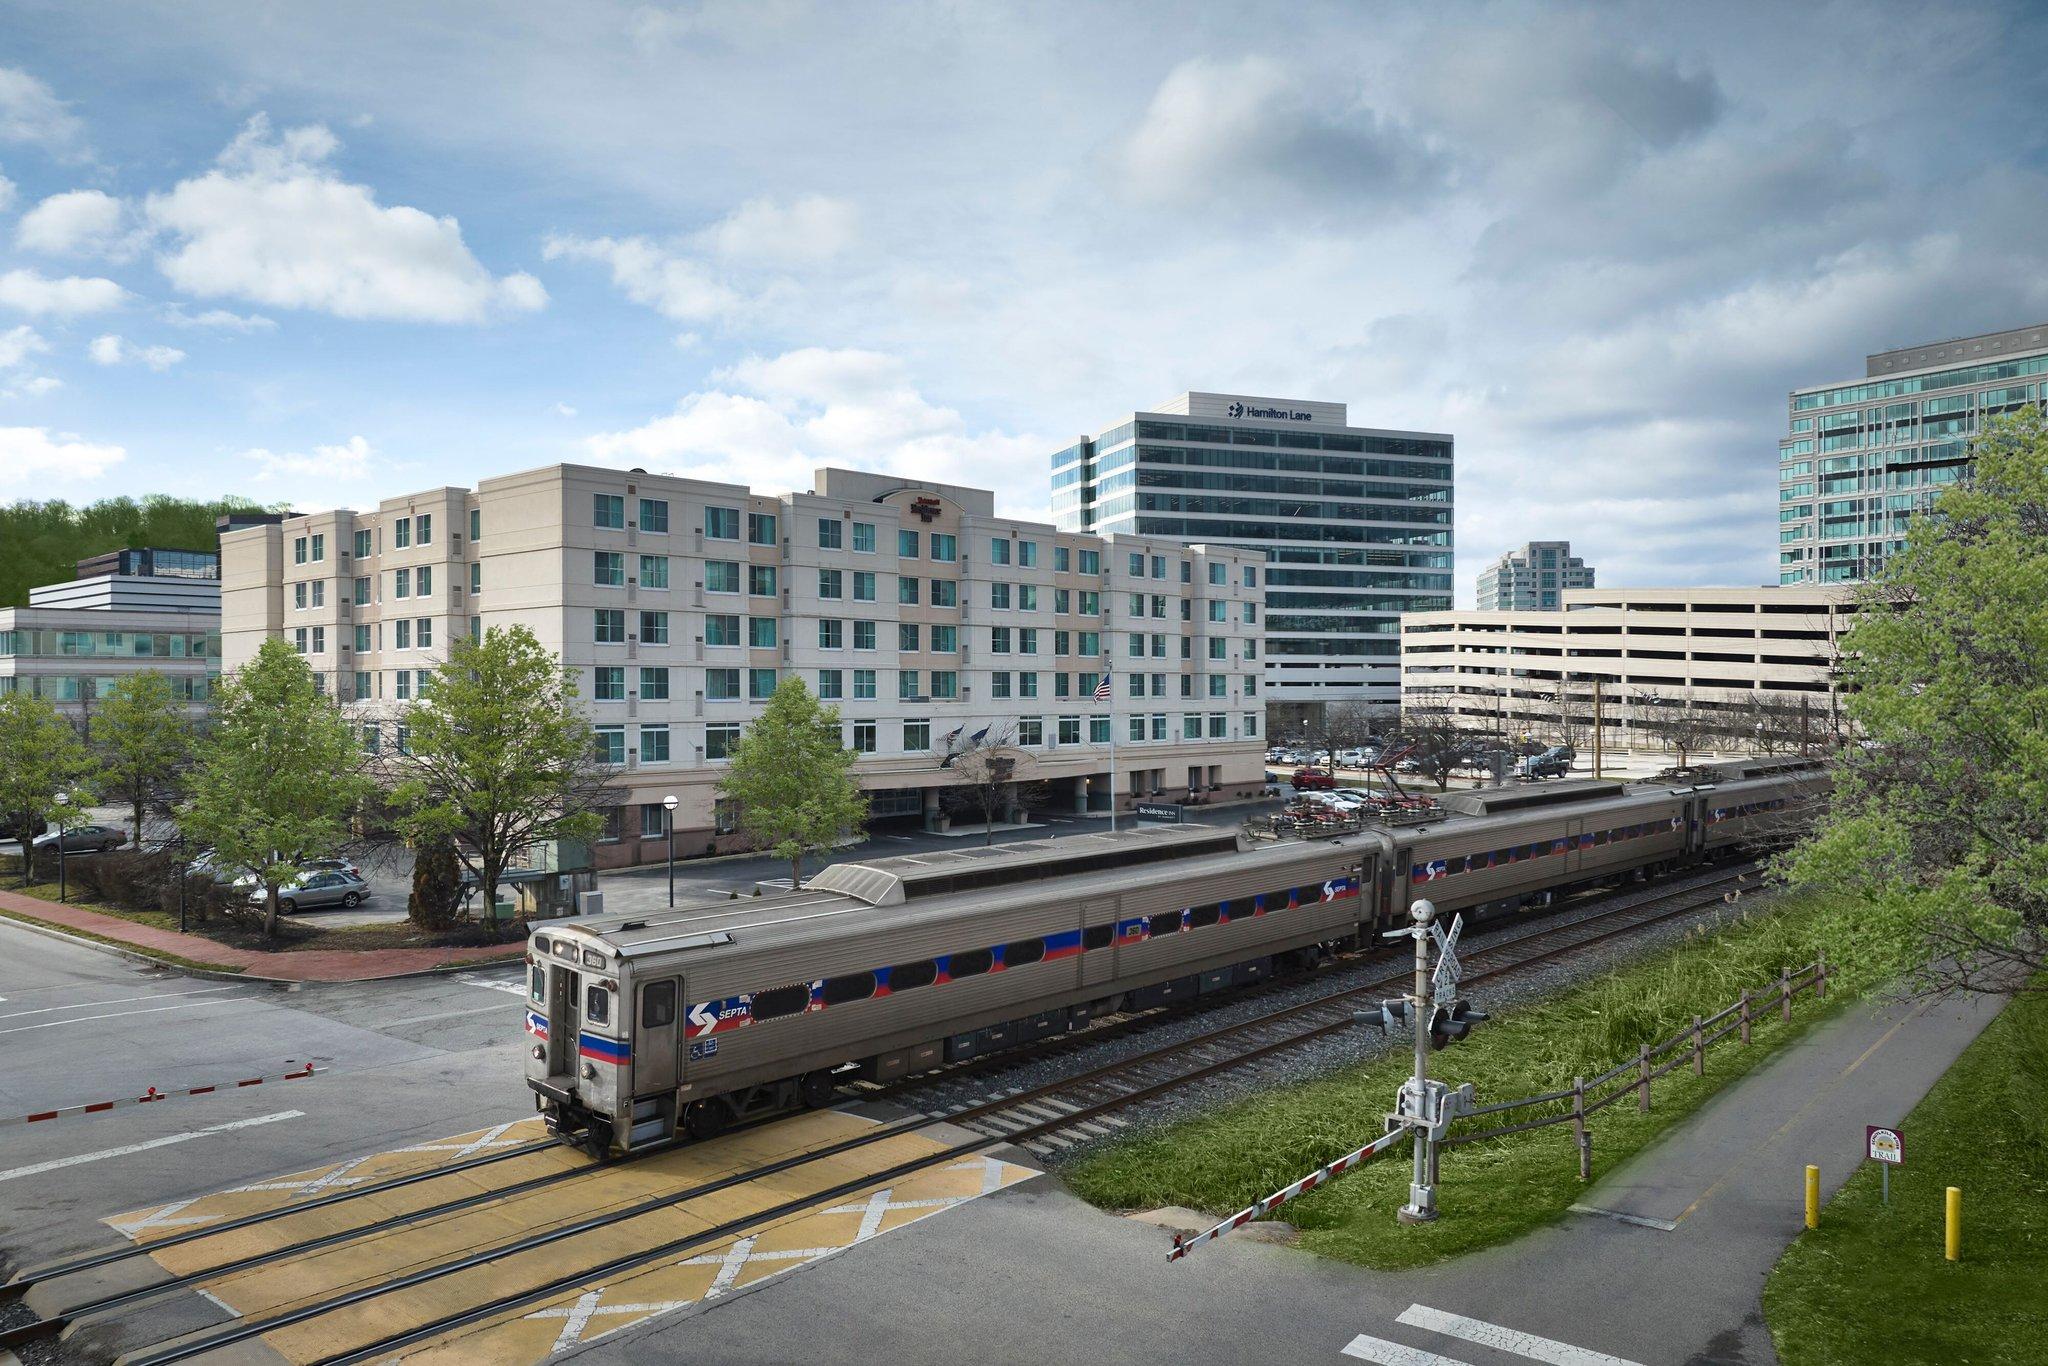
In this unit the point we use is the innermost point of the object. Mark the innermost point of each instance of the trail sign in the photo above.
(1885, 1145)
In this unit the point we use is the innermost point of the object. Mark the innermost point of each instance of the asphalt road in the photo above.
(410, 1060)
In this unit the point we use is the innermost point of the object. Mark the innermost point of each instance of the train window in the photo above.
(789, 1000)
(1023, 952)
(1599, 837)
(855, 986)
(905, 976)
(1166, 922)
(1097, 936)
(564, 949)
(657, 1005)
(540, 945)
(592, 958)
(537, 983)
(1204, 915)
(973, 963)
(597, 1006)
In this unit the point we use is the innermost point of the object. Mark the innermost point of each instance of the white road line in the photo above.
(1506, 1339)
(166, 1141)
(1384, 1353)
(449, 1015)
(1641, 1220)
(121, 1001)
(114, 1015)
(514, 983)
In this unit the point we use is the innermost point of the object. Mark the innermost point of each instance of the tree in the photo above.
(985, 768)
(1940, 815)
(1435, 732)
(278, 777)
(143, 740)
(43, 542)
(41, 761)
(1348, 725)
(792, 781)
(436, 885)
(501, 758)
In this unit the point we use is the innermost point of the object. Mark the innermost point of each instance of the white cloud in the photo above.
(675, 285)
(564, 410)
(76, 223)
(7, 193)
(33, 456)
(273, 223)
(18, 344)
(31, 386)
(219, 318)
(34, 293)
(804, 231)
(114, 350)
(349, 462)
(31, 112)
(781, 418)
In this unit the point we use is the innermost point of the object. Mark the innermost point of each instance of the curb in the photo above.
(216, 974)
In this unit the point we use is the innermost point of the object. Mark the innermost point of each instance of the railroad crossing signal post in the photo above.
(1425, 1107)
(1421, 1206)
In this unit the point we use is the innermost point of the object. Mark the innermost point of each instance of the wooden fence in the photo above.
(1588, 1095)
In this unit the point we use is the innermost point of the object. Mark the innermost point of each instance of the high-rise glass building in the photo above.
(1861, 458)
(1355, 522)
(1530, 579)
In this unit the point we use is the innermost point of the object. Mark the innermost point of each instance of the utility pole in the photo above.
(1599, 725)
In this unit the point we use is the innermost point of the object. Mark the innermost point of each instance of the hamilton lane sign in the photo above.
(1239, 408)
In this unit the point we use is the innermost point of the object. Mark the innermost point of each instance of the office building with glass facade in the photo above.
(1355, 523)
(127, 612)
(1530, 579)
(1862, 458)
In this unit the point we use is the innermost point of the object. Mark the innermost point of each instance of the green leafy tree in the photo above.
(42, 542)
(41, 761)
(792, 781)
(278, 776)
(501, 758)
(1940, 813)
(144, 740)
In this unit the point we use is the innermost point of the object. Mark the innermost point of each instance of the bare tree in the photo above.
(1435, 731)
(985, 765)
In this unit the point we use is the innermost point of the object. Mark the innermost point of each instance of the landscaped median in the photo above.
(1495, 1190)
(1872, 1283)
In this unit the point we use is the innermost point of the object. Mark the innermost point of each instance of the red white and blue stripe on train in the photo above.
(737, 1012)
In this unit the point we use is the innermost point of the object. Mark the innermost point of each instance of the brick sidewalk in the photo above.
(307, 965)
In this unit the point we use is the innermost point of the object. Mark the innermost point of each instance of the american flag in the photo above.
(1102, 689)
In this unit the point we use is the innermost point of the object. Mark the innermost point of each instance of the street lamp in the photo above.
(668, 804)
(64, 801)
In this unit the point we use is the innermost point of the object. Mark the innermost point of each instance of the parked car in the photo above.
(330, 865)
(1306, 778)
(1554, 762)
(312, 890)
(85, 839)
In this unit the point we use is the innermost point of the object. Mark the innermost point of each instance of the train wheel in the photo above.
(817, 1089)
(706, 1118)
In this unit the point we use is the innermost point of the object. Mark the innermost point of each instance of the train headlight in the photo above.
(589, 1071)
(539, 1052)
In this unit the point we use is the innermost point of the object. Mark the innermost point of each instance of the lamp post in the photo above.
(668, 804)
(64, 800)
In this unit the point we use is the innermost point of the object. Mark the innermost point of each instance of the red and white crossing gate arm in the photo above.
(152, 1095)
(1359, 1157)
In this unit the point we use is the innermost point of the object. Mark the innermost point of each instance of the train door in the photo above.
(655, 1065)
(1574, 860)
(565, 1020)
(1098, 957)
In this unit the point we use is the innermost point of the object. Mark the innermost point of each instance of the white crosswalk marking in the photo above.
(1384, 1353)
(1479, 1331)
(515, 985)
(577, 1316)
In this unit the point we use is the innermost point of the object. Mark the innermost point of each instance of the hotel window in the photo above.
(864, 538)
(608, 626)
(760, 528)
(863, 737)
(1219, 685)
(999, 596)
(654, 571)
(721, 524)
(298, 597)
(1027, 640)
(863, 635)
(362, 594)
(1060, 559)
(653, 817)
(906, 545)
(654, 685)
(423, 582)
(401, 533)
(1218, 727)
(422, 630)
(1216, 574)
(425, 522)
(906, 590)
(1031, 731)
(760, 684)
(999, 685)
(1027, 685)
(831, 634)
(721, 576)
(1091, 562)
(362, 640)
(945, 548)
(945, 685)
(654, 744)
(362, 545)
(298, 550)
(401, 583)
(609, 684)
(761, 580)
(401, 684)
(1027, 554)
(320, 548)
(721, 685)
(998, 551)
(320, 639)
(907, 638)
(654, 628)
(1027, 597)
(653, 516)
(1070, 730)
(830, 685)
(476, 578)
(945, 640)
(721, 629)
(945, 593)
(610, 569)
(761, 633)
(917, 735)
(1137, 564)
(476, 523)
(608, 510)
(719, 740)
(362, 691)
(609, 743)
(830, 535)
(830, 583)
(1098, 730)
(863, 685)
(401, 634)
(906, 684)
(999, 640)
(863, 586)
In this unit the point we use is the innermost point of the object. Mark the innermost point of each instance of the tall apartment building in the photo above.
(1530, 579)
(1749, 654)
(1861, 459)
(127, 612)
(1355, 523)
(681, 604)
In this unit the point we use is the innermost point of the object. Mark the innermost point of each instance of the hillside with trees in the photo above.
(42, 542)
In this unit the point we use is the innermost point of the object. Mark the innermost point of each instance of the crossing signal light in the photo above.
(1390, 1016)
(1451, 1023)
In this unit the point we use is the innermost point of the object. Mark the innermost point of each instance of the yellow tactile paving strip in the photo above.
(590, 1311)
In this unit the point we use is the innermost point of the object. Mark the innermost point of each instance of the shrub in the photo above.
(436, 886)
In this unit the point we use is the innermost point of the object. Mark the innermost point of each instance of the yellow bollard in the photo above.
(1955, 1223)
(1812, 1196)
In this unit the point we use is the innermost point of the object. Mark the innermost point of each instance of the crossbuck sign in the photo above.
(1448, 970)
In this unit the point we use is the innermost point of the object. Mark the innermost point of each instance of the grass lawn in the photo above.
(1871, 1283)
(1494, 1191)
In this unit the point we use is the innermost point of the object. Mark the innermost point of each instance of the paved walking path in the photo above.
(298, 965)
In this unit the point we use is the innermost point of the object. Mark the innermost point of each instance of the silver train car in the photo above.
(648, 1025)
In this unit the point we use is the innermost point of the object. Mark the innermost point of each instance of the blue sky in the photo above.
(326, 255)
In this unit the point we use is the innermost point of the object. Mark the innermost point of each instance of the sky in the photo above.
(324, 255)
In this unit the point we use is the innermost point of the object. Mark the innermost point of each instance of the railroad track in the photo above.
(1040, 1118)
